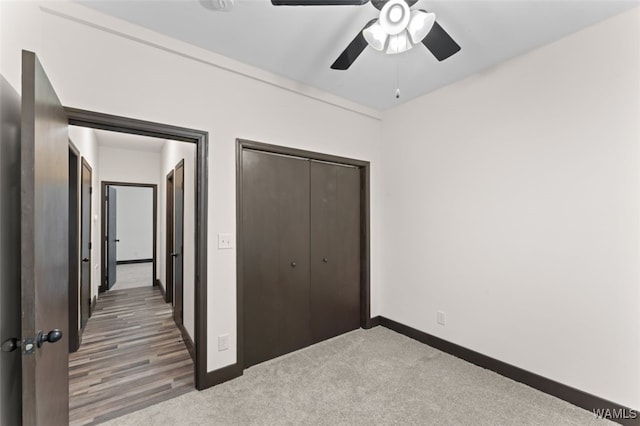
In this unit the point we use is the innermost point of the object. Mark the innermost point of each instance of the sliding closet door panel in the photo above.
(335, 250)
(260, 256)
(293, 262)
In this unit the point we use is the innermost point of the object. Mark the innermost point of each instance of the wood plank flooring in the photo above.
(132, 356)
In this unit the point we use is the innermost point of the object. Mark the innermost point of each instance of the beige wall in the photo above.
(515, 199)
(134, 223)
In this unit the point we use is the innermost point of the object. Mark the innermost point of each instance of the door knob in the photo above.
(117, 241)
(85, 259)
(51, 337)
(325, 260)
(10, 345)
(293, 264)
(175, 254)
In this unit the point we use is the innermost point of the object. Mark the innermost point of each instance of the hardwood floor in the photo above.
(132, 356)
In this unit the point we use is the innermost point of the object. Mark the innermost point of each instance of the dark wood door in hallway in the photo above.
(132, 356)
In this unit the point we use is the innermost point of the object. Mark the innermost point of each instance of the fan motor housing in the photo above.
(394, 16)
(218, 5)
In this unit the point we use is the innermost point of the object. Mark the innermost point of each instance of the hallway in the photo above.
(131, 356)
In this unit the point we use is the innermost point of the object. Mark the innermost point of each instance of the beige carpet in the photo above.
(133, 275)
(366, 377)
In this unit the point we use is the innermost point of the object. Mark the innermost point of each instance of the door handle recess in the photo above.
(51, 337)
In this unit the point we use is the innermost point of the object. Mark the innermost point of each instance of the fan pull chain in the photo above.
(398, 80)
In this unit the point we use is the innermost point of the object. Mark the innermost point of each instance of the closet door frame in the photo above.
(365, 238)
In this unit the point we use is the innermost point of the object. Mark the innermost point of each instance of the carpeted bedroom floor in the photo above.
(366, 377)
(133, 275)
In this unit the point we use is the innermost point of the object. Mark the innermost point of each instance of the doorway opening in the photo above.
(142, 334)
(43, 240)
(129, 235)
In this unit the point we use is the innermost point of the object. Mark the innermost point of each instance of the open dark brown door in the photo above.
(45, 259)
(169, 240)
(178, 244)
(85, 242)
(112, 236)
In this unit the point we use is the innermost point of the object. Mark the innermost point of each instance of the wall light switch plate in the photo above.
(441, 317)
(223, 342)
(224, 241)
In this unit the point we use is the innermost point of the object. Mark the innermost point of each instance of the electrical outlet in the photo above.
(441, 317)
(224, 241)
(223, 342)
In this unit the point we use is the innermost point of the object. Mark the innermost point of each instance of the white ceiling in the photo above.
(128, 141)
(301, 43)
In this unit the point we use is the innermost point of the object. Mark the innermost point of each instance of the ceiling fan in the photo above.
(396, 30)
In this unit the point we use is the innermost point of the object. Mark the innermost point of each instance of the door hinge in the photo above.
(91, 190)
(89, 246)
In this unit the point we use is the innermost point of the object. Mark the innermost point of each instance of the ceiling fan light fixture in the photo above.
(395, 16)
(420, 24)
(399, 43)
(375, 36)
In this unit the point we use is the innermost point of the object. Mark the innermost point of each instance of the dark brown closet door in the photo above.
(275, 232)
(335, 250)
(293, 229)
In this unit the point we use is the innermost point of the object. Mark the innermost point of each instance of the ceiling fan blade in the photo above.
(319, 2)
(440, 43)
(353, 50)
